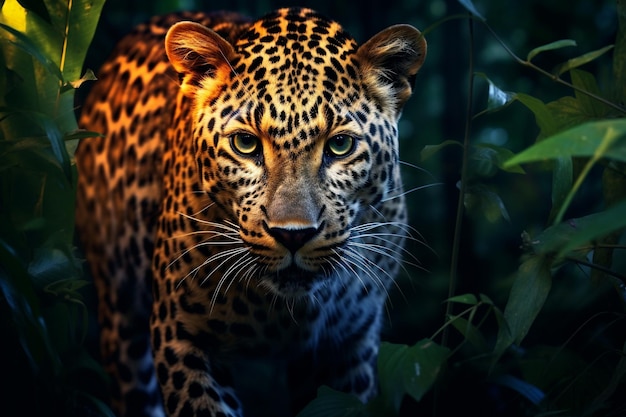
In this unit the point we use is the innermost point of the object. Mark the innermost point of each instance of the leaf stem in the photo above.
(456, 243)
(599, 153)
(600, 268)
(553, 77)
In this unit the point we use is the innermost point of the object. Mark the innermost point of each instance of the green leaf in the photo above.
(471, 8)
(469, 332)
(562, 180)
(480, 198)
(550, 47)
(496, 156)
(496, 98)
(27, 45)
(601, 139)
(464, 299)
(581, 60)
(430, 150)
(411, 370)
(543, 115)
(77, 19)
(589, 106)
(619, 55)
(529, 292)
(586, 229)
(331, 403)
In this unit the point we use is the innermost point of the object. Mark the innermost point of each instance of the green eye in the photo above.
(245, 144)
(340, 145)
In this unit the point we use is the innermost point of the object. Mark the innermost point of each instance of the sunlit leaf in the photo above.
(600, 139)
(27, 45)
(430, 150)
(581, 60)
(471, 8)
(87, 76)
(76, 19)
(550, 47)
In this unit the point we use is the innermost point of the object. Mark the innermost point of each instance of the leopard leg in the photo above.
(191, 386)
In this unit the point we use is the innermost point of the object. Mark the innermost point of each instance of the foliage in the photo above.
(44, 317)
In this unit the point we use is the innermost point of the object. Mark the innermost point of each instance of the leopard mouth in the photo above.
(294, 281)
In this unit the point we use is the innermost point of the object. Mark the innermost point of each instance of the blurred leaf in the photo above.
(614, 191)
(430, 150)
(619, 55)
(527, 390)
(543, 115)
(601, 139)
(331, 403)
(464, 299)
(567, 236)
(562, 180)
(471, 8)
(590, 107)
(56, 141)
(480, 198)
(581, 60)
(529, 292)
(617, 378)
(550, 47)
(496, 156)
(23, 309)
(470, 332)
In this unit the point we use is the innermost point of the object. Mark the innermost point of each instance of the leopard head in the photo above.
(294, 128)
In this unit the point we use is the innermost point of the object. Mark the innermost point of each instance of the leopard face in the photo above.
(245, 203)
(293, 141)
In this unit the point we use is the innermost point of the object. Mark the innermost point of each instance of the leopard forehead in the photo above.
(295, 78)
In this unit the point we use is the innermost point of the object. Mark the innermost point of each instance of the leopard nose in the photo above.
(293, 239)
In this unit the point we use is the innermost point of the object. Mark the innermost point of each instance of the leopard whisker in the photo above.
(408, 232)
(364, 264)
(404, 193)
(228, 255)
(398, 248)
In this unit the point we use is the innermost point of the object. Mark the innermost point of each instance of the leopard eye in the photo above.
(245, 144)
(340, 145)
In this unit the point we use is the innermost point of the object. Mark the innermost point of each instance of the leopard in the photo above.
(242, 210)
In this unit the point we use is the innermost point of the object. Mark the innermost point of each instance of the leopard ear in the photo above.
(389, 62)
(199, 54)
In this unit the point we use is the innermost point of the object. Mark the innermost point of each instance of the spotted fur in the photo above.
(243, 208)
